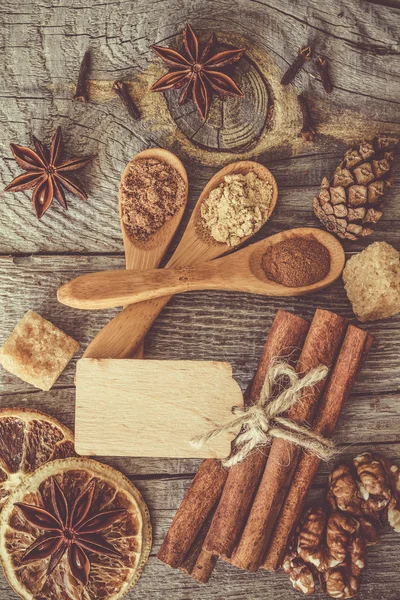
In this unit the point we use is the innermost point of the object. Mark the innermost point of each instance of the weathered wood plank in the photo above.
(39, 79)
(366, 418)
(213, 326)
(94, 226)
(159, 583)
(163, 495)
(42, 45)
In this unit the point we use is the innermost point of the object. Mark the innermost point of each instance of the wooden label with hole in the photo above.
(153, 407)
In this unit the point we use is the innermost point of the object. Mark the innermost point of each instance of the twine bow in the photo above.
(261, 422)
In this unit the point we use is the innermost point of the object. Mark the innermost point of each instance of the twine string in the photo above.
(261, 422)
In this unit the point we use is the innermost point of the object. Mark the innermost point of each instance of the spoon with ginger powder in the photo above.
(241, 271)
(121, 337)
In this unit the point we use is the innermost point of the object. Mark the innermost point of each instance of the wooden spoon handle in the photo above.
(122, 336)
(109, 289)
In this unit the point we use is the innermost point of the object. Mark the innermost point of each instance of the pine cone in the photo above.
(350, 205)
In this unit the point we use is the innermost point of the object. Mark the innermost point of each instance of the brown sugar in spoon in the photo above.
(240, 271)
(121, 337)
(142, 255)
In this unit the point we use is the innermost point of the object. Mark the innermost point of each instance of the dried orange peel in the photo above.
(110, 577)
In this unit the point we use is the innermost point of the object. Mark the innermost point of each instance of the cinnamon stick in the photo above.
(320, 348)
(196, 506)
(356, 346)
(287, 334)
(199, 563)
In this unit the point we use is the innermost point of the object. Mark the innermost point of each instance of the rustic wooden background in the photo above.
(42, 43)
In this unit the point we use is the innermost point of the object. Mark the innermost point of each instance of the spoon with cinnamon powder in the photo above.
(257, 269)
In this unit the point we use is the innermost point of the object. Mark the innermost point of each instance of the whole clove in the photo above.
(122, 90)
(322, 66)
(303, 56)
(308, 131)
(81, 87)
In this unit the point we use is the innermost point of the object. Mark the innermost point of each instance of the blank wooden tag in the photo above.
(153, 407)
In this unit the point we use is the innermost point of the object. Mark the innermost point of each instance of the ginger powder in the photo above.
(237, 208)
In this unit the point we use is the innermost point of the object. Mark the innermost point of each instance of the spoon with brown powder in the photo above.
(290, 263)
(152, 200)
(121, 337)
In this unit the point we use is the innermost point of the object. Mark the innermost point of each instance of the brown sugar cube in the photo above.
(37, 352)
(372, 282)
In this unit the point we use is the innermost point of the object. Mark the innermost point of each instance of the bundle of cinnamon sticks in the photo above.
(246, 514)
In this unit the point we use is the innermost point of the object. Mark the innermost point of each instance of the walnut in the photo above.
(363, 491)
(340, 583)
(343, 491)
(393, 512)
(311, 545)
(343, 580)
(375, 484)
(330, 542)
(300, 574)
(368, 530)
(340, 533)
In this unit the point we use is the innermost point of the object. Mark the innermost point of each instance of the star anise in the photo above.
(46, 173)
(72, 529)
(198, 73)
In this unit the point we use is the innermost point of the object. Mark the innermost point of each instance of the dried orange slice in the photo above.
(28, 440)
(75, 529)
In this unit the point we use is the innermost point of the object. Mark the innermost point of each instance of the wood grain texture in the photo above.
(214, 325)
(42, 45)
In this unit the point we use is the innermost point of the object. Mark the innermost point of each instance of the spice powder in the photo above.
(237, 208)
(296, 262)
(151, 193)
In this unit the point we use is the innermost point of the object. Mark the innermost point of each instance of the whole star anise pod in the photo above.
(72, 529)
(46, 173)
(198, 73)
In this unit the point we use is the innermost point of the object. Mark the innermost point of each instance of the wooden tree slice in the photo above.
(233, 124)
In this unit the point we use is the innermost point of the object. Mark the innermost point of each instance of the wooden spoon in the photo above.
(121, 336)
(144, 255)
(240, 272)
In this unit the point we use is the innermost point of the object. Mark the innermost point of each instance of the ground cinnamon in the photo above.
(354, 350)
(296, 261)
